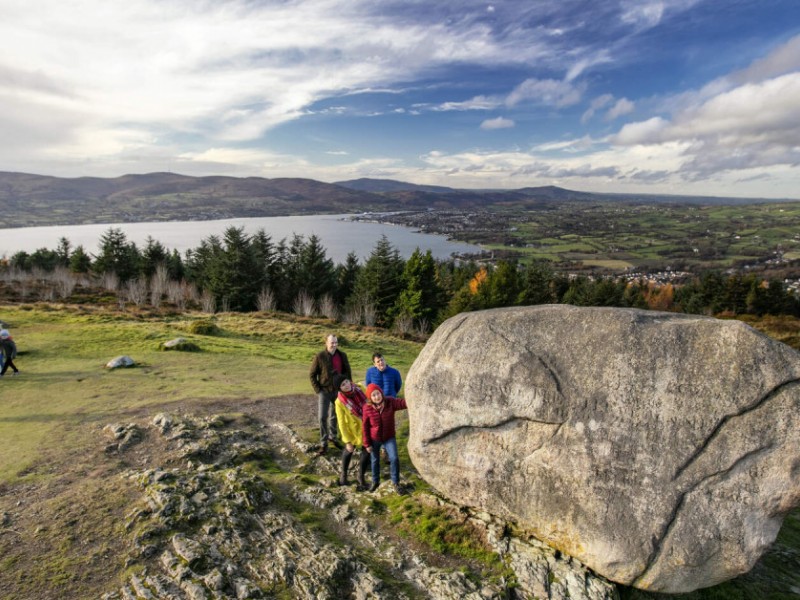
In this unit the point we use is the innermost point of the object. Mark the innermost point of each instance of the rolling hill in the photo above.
(35, 200)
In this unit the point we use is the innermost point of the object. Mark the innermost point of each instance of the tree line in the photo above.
(246, 272)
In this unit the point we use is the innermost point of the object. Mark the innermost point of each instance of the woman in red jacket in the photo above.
(378, 430)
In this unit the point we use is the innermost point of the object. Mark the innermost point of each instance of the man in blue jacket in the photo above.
(386, 377)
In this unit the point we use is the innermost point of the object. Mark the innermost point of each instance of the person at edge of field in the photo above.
(379, 431)
(382, 374)
(325, 365)
(9, 349)
(349, 409)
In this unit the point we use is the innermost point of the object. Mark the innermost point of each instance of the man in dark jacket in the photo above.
(325, 365)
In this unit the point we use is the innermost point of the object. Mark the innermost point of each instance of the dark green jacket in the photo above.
(322, 372)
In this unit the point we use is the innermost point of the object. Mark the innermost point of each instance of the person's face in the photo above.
(332, 343)
(376, 397)
(346, 386)
(379, 362)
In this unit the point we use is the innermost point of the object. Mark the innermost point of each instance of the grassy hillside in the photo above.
(63, 382)
(63, 509)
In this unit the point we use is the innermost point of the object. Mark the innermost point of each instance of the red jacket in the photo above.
(379, 426)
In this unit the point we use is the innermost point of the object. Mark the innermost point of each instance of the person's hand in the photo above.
(349, 447)
(369, 449)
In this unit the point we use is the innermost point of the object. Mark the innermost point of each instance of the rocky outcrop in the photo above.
(124, 436)
(241, 509)
(661, 450)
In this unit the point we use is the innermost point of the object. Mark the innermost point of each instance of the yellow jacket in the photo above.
(349, 425)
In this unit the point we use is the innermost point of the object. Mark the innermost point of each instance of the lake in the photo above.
(339, 235)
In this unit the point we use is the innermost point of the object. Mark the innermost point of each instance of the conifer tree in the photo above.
(80, 261)
(316, 273)
(380, 281)
(346, 275)
(153, 254)
(422, 296)
(117, 255)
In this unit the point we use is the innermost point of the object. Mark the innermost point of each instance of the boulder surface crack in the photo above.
(726, 419)
(455, 430)
(547, 366)
(660, 539)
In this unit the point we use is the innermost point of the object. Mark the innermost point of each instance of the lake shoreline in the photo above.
(335, 230)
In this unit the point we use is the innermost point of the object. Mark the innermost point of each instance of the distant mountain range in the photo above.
(28, 200)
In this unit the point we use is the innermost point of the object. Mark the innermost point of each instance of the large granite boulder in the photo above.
(661, 450)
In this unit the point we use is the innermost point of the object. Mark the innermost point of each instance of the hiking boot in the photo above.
(341, 482)
(15, 373)
(323, 450)
(374, 486)
(399, 490)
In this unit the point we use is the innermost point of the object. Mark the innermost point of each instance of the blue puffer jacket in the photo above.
(389, 379)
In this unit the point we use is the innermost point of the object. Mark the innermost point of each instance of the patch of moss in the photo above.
(442, 529)
(204, 327)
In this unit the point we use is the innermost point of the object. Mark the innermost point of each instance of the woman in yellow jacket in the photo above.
(349, 404)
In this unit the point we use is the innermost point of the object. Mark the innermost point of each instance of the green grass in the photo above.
(63, 382)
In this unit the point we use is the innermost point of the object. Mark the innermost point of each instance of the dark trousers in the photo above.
(7, 364)
(363, 465)
(328, 427)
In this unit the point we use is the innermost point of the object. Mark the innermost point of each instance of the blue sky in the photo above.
(636, 96)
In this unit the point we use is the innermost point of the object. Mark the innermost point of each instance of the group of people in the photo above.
(8, 352)
(358, 420)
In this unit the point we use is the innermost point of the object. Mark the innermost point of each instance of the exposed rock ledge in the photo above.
(213, 527)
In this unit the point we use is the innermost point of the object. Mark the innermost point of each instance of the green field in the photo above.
(63, 382)
(616, 236)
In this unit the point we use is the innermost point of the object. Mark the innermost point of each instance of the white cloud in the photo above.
(549, 92)
(646, 14)
(229, 71)
(476, 103)
(784, 59)
(596, 104)
(643, 132)
(622, 107)
(497, 123)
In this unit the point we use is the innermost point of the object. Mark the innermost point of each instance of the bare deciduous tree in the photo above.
(136, 291)
(266, 300)
(304, 304)
(403, 324)
(208, 302)
(328, 308)
(423, 327)
(191, 291)
(110, 281)
(369, 313)
(352, 315)
(65, 282)
(48, 293)
(158, 285)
